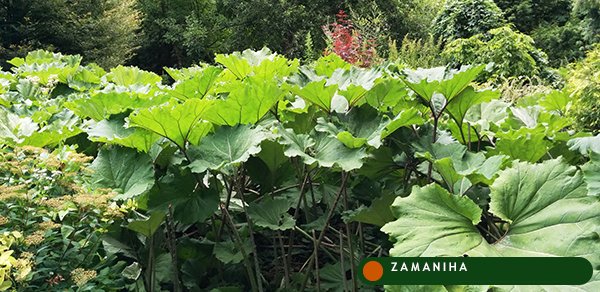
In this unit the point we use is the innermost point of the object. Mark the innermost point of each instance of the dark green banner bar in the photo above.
(476, 271)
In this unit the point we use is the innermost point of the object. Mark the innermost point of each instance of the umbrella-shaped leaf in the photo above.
(125, 170)
(272, 214)
(197, 86)
(15, 129)
(148, 226)
(317, 93)
(190, 202)
(546, 205)
(102, 105)
(113, 131)
(459, 106)
(323, 149)
(179, 123)
(246, 104)
(127, 76)
(585, 144)
(226, 147)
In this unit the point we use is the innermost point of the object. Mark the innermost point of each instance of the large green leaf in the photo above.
(362, 125)
(148, 226)
(197, 86)
(433, 222)
(378, 213)
(525, 145)
(226, 147)
(15, 129)
(191, 203)
(56, 129)
(556, 101)
(261, 63)
(179, 123)
(246, 104)
(404, 118)
(457, 81)
(585, 144)
(131, 174)
(386, 94)
(103, 104)
(127, 76)
(449, 83)
(317, 93)
(323, 149)
(354, 83)
(469, 97)
(365, 125)
(546, 205)
(113, 131)
(591, 174)
(272, 214)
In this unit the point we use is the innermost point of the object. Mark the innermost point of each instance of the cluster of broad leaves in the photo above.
(259, 147)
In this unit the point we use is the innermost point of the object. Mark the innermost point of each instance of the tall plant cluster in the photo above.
(106, 31)
(263, 174)
(348, 42)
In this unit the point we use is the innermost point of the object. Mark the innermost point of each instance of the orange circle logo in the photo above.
(373, 271)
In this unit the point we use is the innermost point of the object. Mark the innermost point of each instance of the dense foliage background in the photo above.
(153, 34)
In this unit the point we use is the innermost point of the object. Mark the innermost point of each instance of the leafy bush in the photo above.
(528, 15)
(264, 174)
(512, 53)
(85, 27)
(563, 43)
(55, 223)
(589, 13)
(584, 84)
(422, 53)
(349, 43)
(466, 18)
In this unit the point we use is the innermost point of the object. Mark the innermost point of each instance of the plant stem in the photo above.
(350, 245)
(250, 229)
(240, 243)
(469, 135)
(317, 276)
(173, 249)
(296, 214)
(151, 262)
(322, 235)
(286, 268)
(342, 261)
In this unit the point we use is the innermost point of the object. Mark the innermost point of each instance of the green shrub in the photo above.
(423, 53)
(55, 223)
(512, 53)
(589, 13)
(563, 43)
(104, 32)
(528, 15)
(466, 18)
(584, 85)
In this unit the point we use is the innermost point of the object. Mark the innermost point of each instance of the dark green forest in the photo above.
(153, 34)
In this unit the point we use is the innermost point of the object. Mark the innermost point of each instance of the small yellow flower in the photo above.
(3, 220)
(47, 225)
(81, 276)
(27, 255)
(35, 238)
(55, 203)
(11, 192)
(22, 268)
